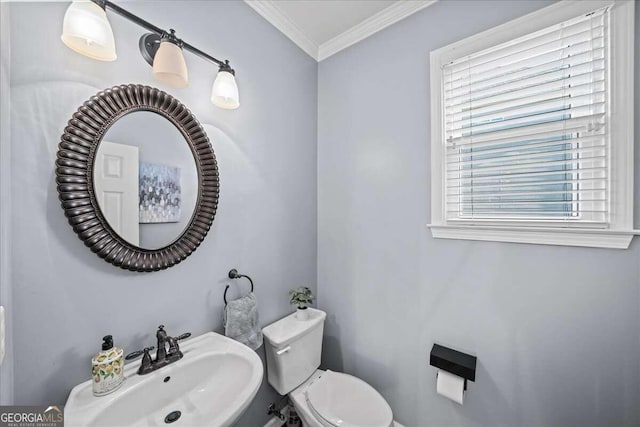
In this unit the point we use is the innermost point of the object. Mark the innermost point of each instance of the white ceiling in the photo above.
(324, 27)
(323, 20)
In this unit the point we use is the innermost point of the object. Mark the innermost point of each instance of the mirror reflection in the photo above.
(145, 180)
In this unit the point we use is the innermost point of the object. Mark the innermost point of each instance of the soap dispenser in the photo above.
(107, 368)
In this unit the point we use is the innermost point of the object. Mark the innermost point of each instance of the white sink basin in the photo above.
(211, 385)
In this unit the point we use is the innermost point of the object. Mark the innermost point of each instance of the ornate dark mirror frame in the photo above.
(74, 176)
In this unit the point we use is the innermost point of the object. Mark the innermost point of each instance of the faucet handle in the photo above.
(174, 348)
(136, 354)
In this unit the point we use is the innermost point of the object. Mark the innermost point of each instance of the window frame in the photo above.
(620, 119)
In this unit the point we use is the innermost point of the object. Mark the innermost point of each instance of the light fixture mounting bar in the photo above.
(130, 16)
(107, 4)
(204, 55)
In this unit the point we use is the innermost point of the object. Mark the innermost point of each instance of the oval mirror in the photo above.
(137, 178)
(145, 180)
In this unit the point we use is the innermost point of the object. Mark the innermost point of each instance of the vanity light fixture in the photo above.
(169, 65)
(87, 31)
(224, 93)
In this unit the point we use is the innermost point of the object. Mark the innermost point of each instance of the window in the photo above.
(532, 131)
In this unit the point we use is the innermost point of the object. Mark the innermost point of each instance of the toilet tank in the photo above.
(293, 349)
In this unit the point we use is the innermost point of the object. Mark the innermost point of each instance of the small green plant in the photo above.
(301, 297)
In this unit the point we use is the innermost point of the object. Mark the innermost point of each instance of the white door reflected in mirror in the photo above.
(145, 180)
(115, 177)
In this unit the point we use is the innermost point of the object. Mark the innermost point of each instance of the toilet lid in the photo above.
(346, 401)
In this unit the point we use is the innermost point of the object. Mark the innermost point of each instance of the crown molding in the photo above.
(272, 14)
(381, 20)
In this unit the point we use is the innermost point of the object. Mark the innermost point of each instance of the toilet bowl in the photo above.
(330, 399)
(321, 398)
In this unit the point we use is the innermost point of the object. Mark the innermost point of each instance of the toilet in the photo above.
(321, 398)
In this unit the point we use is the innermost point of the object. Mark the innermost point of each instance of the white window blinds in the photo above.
(525, 128)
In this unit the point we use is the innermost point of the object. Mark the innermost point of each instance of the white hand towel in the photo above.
(240, 318)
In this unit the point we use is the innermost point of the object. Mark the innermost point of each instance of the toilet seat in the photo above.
(341, 400)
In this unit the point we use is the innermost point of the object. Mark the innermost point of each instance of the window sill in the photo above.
(592, 238)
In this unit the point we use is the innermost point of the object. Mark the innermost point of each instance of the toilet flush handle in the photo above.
(283, 351)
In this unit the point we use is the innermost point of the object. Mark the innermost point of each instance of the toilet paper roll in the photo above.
(450, 386)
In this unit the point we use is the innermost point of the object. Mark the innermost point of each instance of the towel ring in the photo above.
(233, 274)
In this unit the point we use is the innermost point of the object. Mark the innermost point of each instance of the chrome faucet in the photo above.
(163, 357)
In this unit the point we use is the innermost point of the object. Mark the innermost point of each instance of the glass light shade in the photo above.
(86, 30)
(225, 91)
(169, 66)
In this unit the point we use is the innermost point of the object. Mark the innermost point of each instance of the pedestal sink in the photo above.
(211, 385)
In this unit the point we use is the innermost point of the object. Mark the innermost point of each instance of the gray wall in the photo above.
(6, 370)
(64, 297)
(555, 329)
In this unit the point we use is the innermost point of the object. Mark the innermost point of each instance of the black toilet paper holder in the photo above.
(453, 361)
